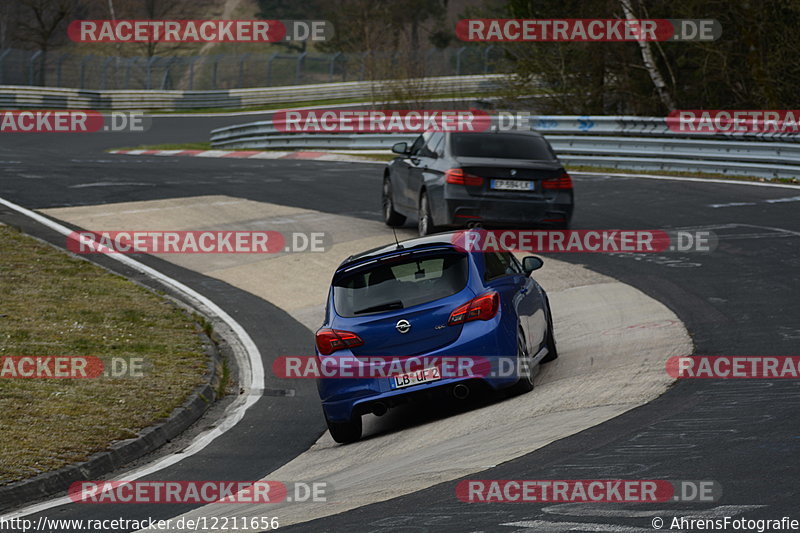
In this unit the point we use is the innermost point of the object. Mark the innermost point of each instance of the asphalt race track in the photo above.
(741, 299)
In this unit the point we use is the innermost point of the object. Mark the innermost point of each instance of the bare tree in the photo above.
(42, 24)
(649, 62)
(160, 10)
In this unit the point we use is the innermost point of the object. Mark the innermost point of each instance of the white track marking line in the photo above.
(564, 527)
(701, 180)
(252, 371)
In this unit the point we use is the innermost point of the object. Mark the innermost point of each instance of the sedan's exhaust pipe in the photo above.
(461, 391)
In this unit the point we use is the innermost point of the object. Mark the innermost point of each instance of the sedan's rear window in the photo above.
(406, 281)
(501, 145)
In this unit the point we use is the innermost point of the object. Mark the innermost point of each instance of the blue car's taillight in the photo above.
(330, 340)
(483, 307)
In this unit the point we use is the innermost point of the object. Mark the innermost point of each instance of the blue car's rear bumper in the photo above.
(489, 340)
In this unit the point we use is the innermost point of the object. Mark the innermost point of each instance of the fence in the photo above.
(22, 97)
(639, 143)
(235, 71)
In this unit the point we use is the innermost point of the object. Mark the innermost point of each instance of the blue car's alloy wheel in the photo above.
(524, 367)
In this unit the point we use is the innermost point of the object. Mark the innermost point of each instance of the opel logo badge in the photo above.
(513, 172)
(403, 326)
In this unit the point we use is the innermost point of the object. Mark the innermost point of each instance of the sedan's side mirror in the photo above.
(531, 263)
(400, 148)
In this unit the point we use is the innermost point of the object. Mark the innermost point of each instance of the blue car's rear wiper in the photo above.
(397, 304)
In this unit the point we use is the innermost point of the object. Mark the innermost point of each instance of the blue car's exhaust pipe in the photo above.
(379, 409)
(461, 391)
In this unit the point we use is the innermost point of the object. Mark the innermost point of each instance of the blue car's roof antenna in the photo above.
(399, 246)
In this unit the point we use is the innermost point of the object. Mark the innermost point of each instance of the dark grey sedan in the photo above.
(492, 179)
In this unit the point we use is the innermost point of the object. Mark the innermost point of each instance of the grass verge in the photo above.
(56, 305)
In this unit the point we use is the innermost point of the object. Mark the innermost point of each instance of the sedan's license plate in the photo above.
(424, 375)
(512, 185)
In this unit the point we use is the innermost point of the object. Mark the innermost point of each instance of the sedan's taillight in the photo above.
(483, 307)
(330, 340)
(562, 182)
(457, 176)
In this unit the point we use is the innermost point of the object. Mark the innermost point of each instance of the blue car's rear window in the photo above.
(501, 145)
(400, 283)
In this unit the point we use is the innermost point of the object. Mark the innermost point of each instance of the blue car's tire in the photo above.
(345, 432)
(552, 351)
(524, 367)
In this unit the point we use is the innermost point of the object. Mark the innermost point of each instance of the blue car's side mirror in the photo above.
(531, 263)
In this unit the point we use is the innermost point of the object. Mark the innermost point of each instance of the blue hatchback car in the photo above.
(429, 297)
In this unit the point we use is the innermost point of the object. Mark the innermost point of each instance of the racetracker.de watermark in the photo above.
(196, 242)
(51, 367)
(198, 31)
(73, 121)
(786, 121)
(198, 492)
(399, 121)
(587, 30)
(733, 367)
(428, 368)
(586, 490)
(71, 367)
(584, 241)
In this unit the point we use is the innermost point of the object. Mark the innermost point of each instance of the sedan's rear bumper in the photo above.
(460, 209)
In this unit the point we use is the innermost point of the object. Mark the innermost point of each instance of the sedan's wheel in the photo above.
(390, 216)
(426, 226)
(524, 367)
(345, 432)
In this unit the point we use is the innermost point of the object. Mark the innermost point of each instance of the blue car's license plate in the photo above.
(408, 379)
(512, 185)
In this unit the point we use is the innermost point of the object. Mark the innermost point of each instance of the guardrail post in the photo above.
(2, 59)
(130, 62)
(31, 62)
(299, 68)
(214, 72)
(60, 60)
(150, 62)
(105, 71)
(191, 71)
(83, 70)
(363, 65)
(269, 68)
(458, 60)
(241, 70)
(333, 66)
(166, 78)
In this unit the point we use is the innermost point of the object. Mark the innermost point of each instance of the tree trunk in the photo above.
(649, 63)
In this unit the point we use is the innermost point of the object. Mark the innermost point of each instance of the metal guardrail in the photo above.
(24, 97)
(638, 143)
